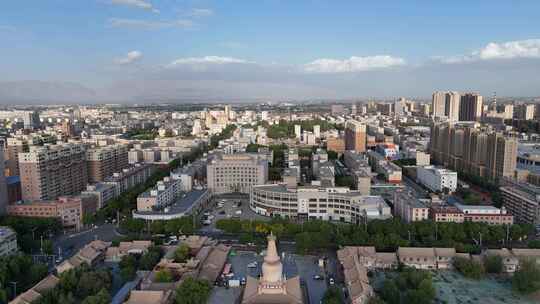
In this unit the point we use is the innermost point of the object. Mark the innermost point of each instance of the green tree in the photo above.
(102, 297)
(469, 268)
(526, 279)
(181, 254)
(390, 292)
(164, 276)
(493, 264)
(333, 296)
(193, 291)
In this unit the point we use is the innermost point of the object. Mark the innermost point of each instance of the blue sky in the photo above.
(323, 48)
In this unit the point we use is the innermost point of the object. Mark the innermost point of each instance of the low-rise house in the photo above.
(356, 279)
(150, 297)
(91, 254)
(212, 266)
(526, 253)
(124, 248)
(35, 293)
(445, 257)
(420, 258)
(386, 260)
(509, 260)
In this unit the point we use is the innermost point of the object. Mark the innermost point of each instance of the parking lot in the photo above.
(230, 209)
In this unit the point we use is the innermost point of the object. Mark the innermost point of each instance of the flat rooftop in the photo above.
(181, 205)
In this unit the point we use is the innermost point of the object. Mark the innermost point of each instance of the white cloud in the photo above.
(207, 60)
(130, 57)
(353, 64)
(150, 25)
(200, 12)
(507, 50)
(136, 3)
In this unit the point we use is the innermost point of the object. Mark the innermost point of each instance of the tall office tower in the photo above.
(103, 162)
(355, 136)
(3, 184)
(353, 109)
(264, 115)
(67, 128)
(524, 111)
(501, 155)
(14, 147)
(298, 131)
(31, 120)
(197, 128)
(438, 104)
(50, 171)
(317, 131)
(470, 107)
(451, 110)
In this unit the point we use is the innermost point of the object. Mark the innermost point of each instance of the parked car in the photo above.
(252, 265)
(331, 281)
(317, 277)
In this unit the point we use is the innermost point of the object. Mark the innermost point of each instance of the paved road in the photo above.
(420, 192)
(72, 242)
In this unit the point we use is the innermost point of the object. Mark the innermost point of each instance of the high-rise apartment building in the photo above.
(102, 162)
(298, 131)
(3, 184)
(446, 104)
(14, 147)
(355, 136)
(50, 171)
(524, 111)
(471, 149)
(438, 104)
(31, 120)
(471, 107)
(236, 173)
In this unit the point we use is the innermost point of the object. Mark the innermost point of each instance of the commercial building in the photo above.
(50, 171)
(236, 173)
(522, 200)
(102, 162)
(485, 214)
(408, 207)
(163, 194)
(313, 202)
(70, 210)
(471, 107)
(437, 179)
(8, 241)
(191, 203)
(446, 214)
(355, 136)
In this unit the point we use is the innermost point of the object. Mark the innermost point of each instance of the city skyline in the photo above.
(144, 51)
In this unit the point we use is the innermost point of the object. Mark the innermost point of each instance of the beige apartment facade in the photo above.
(50, 171)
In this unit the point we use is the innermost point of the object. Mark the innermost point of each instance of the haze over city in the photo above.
(142, 51)
(269, 151)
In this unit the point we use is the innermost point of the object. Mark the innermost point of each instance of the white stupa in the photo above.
(272, 288)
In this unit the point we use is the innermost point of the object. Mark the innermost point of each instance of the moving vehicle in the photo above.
(252, 265)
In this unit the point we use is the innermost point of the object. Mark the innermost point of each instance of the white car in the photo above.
(252, 265)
